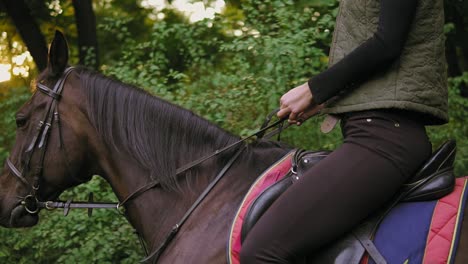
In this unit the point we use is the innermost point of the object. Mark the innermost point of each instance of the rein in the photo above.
(67, 205)
(197, 162)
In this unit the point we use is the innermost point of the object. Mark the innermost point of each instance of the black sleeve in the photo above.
(375, 54)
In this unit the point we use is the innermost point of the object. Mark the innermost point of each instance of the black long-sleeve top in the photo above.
(375, 54)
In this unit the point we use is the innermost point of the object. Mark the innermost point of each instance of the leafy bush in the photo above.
(232, 71)
(232, 81)
(456, 128)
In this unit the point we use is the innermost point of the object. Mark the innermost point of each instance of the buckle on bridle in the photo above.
(30, 204)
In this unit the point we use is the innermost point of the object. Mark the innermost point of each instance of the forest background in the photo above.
(228, 61)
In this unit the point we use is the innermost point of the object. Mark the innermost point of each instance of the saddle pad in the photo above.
(273, 174)
(423, 232)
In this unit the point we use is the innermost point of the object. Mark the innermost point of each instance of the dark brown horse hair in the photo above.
(127, 118)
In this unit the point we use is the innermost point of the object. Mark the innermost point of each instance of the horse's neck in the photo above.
(146, 212)
(155, 212)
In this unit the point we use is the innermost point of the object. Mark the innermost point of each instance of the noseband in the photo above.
(39, 142)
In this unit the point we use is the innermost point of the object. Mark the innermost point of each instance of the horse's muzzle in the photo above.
(21, 218)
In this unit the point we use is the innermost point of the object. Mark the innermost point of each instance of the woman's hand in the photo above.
(298, 104)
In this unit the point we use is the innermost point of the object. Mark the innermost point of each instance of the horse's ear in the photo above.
(58, 54)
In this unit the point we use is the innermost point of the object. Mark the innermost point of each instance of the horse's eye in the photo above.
(20, 122)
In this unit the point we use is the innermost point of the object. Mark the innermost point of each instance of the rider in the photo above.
(387, 80)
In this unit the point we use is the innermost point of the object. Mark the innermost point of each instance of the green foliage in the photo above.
(231, 75)
(456, 128)
(231, 70)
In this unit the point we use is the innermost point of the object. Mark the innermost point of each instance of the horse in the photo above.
(88, 124)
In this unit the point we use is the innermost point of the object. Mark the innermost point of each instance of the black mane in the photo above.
(159, 135)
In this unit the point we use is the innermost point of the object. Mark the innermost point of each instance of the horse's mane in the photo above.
(157, 134)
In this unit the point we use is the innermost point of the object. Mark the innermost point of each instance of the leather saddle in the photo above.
(433, 180)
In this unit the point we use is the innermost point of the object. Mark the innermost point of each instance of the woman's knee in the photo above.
(248, 253)
(246, 256)
(253, 252)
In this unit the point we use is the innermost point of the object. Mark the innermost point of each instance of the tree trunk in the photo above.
(28, 30)
(87, 37)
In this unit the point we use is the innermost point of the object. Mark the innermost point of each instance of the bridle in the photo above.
(32, 204)
(39, 142)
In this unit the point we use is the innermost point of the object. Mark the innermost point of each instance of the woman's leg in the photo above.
(339, 192)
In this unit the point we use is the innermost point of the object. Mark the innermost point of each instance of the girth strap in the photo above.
(370, 248)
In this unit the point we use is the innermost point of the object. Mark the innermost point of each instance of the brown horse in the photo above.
(79, 124)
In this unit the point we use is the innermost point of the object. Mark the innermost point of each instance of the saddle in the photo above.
(434, 180)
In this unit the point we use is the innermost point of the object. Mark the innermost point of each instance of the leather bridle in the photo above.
(39, 142)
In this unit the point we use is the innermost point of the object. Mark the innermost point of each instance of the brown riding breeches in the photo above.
(381, 150)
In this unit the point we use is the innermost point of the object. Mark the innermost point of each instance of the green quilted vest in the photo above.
(415, 81)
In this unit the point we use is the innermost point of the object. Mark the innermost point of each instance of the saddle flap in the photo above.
(262, 203)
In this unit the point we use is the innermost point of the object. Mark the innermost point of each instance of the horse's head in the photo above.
(50, 151)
